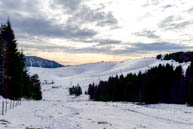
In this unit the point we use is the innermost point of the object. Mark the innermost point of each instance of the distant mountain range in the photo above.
(33, 61)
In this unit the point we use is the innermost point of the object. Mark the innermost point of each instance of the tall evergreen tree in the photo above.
(14, 64)
(189, 83)
(15, 82)
(3, 47)
(36, 87)
(190, 92)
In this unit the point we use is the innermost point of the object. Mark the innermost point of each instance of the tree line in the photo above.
(160, 84)
(15, 82)
(177, 56)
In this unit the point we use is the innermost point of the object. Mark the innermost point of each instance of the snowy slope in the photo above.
(58, 110)
(88, 73)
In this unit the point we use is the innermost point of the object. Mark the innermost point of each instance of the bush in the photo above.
(75, 90)
(159, 56)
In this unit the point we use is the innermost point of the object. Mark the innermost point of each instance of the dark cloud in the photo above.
(69, 5)
(43, 27)
(147, 33)
(81, 13)
(159, 46)
(172, 22)
(28, 19)
(22, 6)
(102, 41)
(36, 24)
(108, 19)
(135, 48)
(108, 41)
(145, 48)
(87, 15)
(167, 6)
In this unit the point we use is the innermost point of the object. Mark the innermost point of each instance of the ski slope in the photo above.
(58, 110)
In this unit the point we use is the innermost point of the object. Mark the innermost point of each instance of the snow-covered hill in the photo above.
(88, 73)
(58, 110)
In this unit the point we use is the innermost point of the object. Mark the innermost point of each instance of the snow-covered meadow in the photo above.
(58, 110)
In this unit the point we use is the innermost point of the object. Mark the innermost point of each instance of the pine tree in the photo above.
(75, 90)
(3, 47)
(189, 83)
(9, 37)
(190, 92)
(36, 87)
(28, 87)
(14, 64)
(15, 82)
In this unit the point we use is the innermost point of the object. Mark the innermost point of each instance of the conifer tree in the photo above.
(190, 92)
(15, 82)
(189, 83)
(14, 64)
(3, 47)
(36, 87)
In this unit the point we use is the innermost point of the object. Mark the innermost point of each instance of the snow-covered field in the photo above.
(58, 110)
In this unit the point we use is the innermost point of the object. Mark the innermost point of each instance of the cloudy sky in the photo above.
(82, 31)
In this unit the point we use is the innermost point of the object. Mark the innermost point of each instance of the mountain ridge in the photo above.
(34, 61)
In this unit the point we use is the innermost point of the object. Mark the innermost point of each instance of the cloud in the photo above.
(89, 24)
(80, 13)
(166, 22)
(172, 22)
(135, 48)
(108, 41)
(147, 33)
(21, 6)
(69, 5)
(38, 24)
(167, 6)
(146, 48)
(87, 15)
(190, 10)
(151, 3)
(159, 46)
(103, 41)
(47, 28)
(28, 18)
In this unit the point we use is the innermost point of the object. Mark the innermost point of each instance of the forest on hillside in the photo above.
(15, 82)
(177, 56)
(160, 84)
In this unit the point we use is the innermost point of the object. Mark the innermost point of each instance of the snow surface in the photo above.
(58, 110)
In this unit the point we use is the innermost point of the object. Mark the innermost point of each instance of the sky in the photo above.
(84, 31)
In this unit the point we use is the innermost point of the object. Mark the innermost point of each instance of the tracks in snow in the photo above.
(52, 118)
